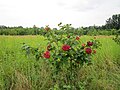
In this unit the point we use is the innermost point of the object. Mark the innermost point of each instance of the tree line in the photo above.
(111, 27)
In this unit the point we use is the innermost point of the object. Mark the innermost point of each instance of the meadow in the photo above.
(21, 72)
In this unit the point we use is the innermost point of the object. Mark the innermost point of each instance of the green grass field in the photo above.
(18, 72)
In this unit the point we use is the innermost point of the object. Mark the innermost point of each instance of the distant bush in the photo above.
(40, 31)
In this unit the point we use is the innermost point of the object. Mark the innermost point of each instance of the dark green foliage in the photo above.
(111, 27)
(31, 50)
(40, 31)
(113, 22)
(117, 39)
(20, 31)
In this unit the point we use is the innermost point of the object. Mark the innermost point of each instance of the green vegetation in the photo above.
(117, 39)
(64, 53)
(64, 59)
(40, 31)
(21, 72)
(111, 27)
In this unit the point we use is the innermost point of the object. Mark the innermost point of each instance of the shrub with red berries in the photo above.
(61, 47)
(65, 50)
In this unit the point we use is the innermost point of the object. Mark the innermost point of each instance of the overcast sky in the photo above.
(50, 12)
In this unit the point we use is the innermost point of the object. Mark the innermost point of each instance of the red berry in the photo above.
(89, 43)
(94, 51)
(83, 45)
(47, 54)
(88, 50)
(66, 47)
(77, 38)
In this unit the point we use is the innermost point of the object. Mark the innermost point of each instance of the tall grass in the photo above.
(18, 72)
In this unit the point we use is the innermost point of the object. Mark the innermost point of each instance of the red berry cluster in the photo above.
(88, 50)
(77, 38)
(89, 43)
(66, 47)
(47, 54)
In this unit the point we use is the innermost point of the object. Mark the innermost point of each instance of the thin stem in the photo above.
(71, 74)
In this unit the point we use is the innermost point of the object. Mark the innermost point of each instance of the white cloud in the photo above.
(43, 12)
